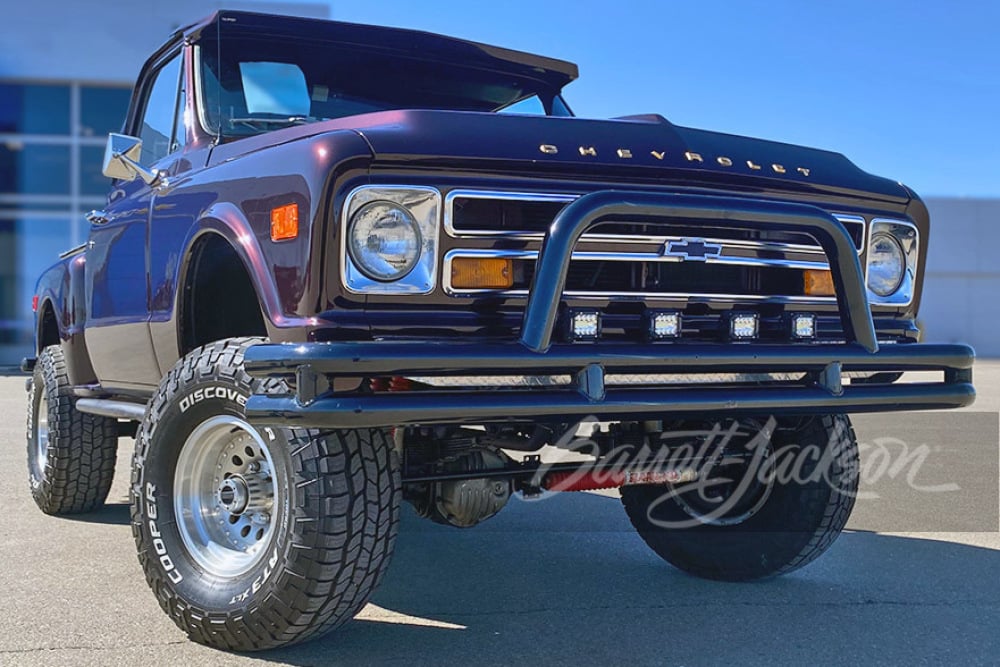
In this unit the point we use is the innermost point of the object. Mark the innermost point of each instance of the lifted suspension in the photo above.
(531, 475)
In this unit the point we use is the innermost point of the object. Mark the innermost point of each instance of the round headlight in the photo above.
(384, 241)
(886, 264)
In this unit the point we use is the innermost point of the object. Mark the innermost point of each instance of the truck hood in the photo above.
(650, 144)
(647, 148)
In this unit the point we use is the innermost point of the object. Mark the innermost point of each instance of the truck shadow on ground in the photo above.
(112, 514)
(567, 580)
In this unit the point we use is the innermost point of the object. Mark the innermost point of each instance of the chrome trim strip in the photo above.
(199, 93)
(858, 220)
(75, 250)
(666, 296)
(588, 256)
(532, 255)
(449, 225)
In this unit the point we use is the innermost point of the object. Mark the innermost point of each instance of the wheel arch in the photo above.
(216, 263)
(49, 331)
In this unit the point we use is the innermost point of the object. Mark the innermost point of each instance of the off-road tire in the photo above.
(328, 547)
(796, 523)
(75, 474)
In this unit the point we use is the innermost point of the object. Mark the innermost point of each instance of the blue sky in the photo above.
(907, 90)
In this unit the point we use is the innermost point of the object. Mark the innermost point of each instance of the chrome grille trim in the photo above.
(586, 256)
(532, 255)
(449, 225)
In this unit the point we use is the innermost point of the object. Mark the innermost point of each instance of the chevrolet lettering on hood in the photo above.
(690, 156)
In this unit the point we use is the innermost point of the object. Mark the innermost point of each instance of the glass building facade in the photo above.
(52, 138)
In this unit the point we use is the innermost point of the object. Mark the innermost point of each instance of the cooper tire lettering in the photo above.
(159, 546)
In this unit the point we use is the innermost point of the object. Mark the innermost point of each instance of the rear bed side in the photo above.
(60, 314)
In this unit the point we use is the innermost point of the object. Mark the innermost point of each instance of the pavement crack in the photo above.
(46, 649)
(702, 604)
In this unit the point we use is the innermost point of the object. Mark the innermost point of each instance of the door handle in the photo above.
(98, 218)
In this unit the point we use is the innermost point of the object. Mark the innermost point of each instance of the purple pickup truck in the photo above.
(343, 266)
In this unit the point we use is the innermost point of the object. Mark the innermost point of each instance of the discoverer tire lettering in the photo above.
(199, 395)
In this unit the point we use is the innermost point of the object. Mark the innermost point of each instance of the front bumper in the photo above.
(314, 367)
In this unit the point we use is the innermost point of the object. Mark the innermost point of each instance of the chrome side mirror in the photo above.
(121, 160)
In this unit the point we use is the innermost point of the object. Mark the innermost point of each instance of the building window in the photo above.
(27, 246)
(34, 169)
(34, 109)
(52, 140)
(92, 179)
(102, 110)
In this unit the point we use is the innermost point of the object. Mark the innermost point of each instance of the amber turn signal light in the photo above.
(817, 283)
(285, 222)
(482, 273)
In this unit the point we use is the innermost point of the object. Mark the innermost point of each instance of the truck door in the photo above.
(117, 285)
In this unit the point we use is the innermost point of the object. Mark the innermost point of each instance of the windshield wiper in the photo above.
(288, 120)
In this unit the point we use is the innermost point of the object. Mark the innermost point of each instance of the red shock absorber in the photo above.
(391, 384)
(400, 384)
(593, 480)
(583, 480)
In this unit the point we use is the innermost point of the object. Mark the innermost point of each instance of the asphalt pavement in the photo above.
(914, 579)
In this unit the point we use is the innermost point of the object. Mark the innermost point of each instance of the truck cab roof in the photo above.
(552, 72)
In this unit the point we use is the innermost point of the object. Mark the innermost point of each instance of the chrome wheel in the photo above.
(41, 433)
(225, 498)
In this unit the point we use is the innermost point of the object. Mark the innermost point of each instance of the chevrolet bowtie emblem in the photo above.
(696, 250)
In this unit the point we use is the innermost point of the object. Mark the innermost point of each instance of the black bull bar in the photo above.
(314, 366)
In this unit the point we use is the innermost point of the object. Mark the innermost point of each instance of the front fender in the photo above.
(228, 221)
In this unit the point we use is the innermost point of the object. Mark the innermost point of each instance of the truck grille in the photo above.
(681, 277)
(751, 264)
(520, 215)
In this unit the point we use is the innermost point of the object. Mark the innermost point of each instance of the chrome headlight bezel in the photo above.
(423, 204)
(906, 237)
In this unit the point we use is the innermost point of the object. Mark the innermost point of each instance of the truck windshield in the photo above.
(255, 84)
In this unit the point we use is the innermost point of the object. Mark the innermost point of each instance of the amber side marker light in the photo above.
(817, 282)
(285, 222)
(482, 273)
